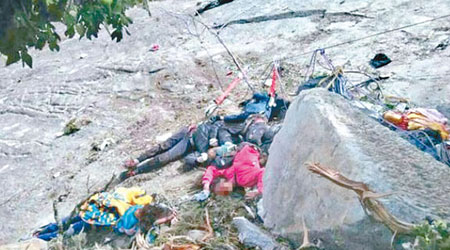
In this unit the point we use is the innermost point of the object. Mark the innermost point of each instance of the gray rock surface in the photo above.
(33, 244)
(324, 127)
(252, 236)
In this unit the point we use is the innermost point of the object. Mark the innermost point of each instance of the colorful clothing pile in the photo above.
(420, 119)
(105, 209)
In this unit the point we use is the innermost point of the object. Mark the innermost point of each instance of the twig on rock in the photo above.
(306, 243)
(366, 196)
(208, 226)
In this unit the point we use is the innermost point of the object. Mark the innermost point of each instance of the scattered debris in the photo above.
(74, 125)
(380, 60)
(211, 5)
(252, 236)
(197, 235)
(442, 45)
(71, 127)
(169, 246)
(155, 47)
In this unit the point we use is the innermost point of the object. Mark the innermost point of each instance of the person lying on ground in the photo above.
(221, 157)
(220, 134)
(246, 171)
(126, 210)
(185, 141)
(254, 130)
(259, 104)
(258, 132)
(229, 132)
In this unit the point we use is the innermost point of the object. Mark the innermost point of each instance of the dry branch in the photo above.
(306, 243)
(366, 196)
(208, 226)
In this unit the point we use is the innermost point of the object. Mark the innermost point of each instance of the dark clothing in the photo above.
(229, 132)
(221, 162)
(268, 136)
(190, 161)
(51, 230)
(255, 133)
(312, 83)
(279, 111)
(259, 104)
(182, 144)
(176, 152)
(380, 60)
(166, 145)
(203, 134)
(261, 134)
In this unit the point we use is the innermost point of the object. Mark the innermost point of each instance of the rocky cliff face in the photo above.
(132, 95)
(324, 127)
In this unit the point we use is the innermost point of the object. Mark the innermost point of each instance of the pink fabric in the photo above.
(245, 170)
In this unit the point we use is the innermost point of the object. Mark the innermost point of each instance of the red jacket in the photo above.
(245, 170)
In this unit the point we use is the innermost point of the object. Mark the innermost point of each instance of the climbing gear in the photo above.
(272, 87)
(219, 100)
(336, 81)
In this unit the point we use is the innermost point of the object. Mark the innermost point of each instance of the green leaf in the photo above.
(70, 32)
(40, 44)
(31, 24)
(12, 58)
(53, 45)
(68, 19)
(27, 59)
(80, 29)
(117, 34)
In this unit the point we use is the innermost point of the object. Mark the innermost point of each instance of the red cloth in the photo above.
(274, 80)
(245, 170)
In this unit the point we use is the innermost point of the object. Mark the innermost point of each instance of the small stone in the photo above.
(196, 235)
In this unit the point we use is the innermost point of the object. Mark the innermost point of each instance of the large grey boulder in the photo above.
(322, 126)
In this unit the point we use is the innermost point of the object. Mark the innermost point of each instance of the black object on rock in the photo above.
(252, 236)
(380, 60)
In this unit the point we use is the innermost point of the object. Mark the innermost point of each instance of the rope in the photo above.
(368, 36)
(340, 88)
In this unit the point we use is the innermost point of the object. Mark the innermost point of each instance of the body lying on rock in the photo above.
(192, 143)
(247, 170)
(125, 211)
